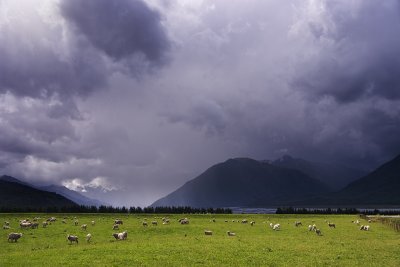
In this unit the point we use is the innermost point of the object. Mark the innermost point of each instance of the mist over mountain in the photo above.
(73, 195)
(337, 176)
(244, 182)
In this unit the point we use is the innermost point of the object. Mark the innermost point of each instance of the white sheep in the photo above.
(14, 237)
(88, 237)
(297, 223)
(244, 221)
(144, 224)
(72, 238)
(271, 225)
(64, 221)
(364, 227)
(7, 223)
(6, 227)
(230, 233)
(184, 221)
(121, 236)
(76, 222)
(252, 223)
(44, 224)
(118, 221)
(115, 227)
(154, 223)
(208, 232)
(25, 224)
(84, 226)
(277, 227)
(93, 223)
(312, 227)
(35, 225)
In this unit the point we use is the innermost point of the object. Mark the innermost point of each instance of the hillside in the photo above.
(381, 186)
(336, 176)
(244, 182)
(16, 194)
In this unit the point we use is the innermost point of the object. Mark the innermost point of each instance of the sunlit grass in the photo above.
(186, 245)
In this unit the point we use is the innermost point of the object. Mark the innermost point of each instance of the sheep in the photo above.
(230, 233)
(226, 221)
(14, 237)
(51, 219)
(88, 237)
(244, 221)
(213, 220)
(252, 223)
(72, 238)
(331, 225)
(271, 225)
(64, 221)
(25, 225)
(121, 236)
(297, 223)
(44, 224)
(93, 223)
(364, 227)
(184, 221)
(7, 223)
(277, 227)
(6, 227)
(312, 227)
(318, 232)
(208, 232)
(34, 225)
(116, 227)
(143, 223)
(154, 223)
(118, 221)
(84, 226)
(76, 222)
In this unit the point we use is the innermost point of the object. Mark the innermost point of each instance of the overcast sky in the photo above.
(126, 100)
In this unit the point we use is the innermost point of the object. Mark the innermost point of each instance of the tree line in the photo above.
(111, 209)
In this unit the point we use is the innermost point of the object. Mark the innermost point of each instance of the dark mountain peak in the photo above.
(10, 179)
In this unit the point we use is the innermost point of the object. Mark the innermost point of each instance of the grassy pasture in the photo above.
(186, 245)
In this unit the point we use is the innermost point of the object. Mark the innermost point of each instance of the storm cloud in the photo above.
(127, 100)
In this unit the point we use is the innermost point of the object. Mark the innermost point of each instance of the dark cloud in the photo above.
(121, 29)
(357, 52)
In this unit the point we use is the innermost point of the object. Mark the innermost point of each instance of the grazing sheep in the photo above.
(25, 225)
(252, 223)
(6, 223)
(64, 221)
(6, 227)
(116, 227)
(271, 225)
(297, 223)
(118, 221)
(88, 237)
(230, 233)
(84, 226)
(331, 225)
(154, 223)
(208, 232)
(143, 223)
(35, 225)
(370, 221)
(44, 224)
(184, 221)
(72, 238)
(76, 222)
(14, 237)
(364, 227)
(93, 223)
(121, 236)
(318, 232)
(52, 219)
(312, 227)
(244, 221)
(277, 227)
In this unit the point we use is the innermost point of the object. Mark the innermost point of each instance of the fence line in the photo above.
(392, 222)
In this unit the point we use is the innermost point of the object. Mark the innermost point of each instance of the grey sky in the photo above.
(126, 100)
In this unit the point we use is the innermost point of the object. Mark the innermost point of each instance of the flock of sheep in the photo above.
(28, 224)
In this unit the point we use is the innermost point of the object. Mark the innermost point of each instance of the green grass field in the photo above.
(186, 245)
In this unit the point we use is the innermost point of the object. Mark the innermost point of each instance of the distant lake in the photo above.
(240, 210)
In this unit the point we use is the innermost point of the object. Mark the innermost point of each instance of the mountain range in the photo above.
(287, 181)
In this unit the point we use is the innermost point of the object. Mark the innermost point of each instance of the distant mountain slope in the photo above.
(72, 195)
(243, 182)
(336, 176)
(17, 194)
(381, 186)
